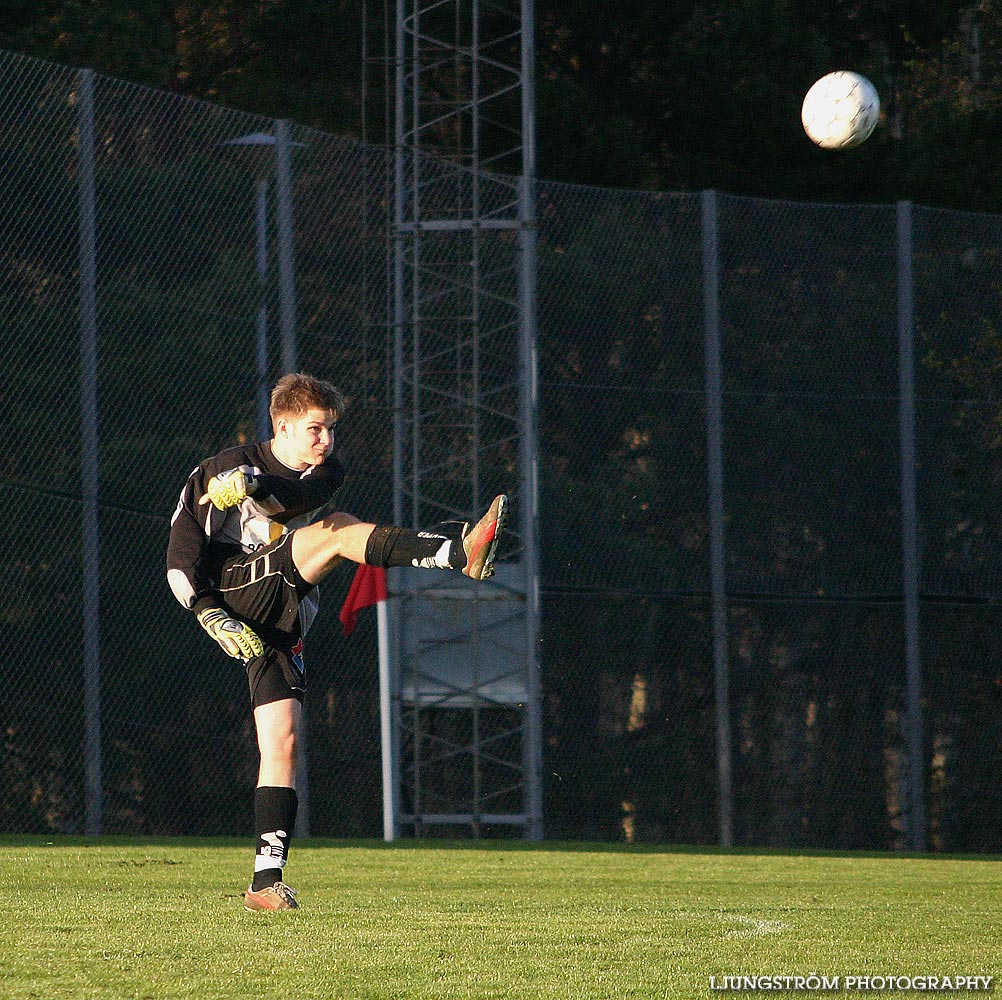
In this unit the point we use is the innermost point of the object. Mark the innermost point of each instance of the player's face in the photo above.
(306, 440)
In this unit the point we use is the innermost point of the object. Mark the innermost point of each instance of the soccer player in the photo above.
(249, 543)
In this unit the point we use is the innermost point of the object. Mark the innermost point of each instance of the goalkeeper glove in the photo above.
(237, 639)
(229, 489)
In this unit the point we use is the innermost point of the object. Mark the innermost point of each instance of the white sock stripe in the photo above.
(263, 862)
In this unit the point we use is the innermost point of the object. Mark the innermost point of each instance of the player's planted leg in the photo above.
(275, 804)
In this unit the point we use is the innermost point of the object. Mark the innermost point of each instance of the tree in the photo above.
(640, 94)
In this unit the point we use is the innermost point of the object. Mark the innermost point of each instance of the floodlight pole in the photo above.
(285, 236)
(261, 321)
(464, 356)
(268, 157)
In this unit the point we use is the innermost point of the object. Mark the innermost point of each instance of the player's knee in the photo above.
(288, 747)
(334, 522)
(281, 747)
(333, 542)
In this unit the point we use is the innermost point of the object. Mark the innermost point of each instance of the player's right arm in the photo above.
(191, 529)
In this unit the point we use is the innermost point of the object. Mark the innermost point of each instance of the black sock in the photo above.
(437, 548)
(274, 822)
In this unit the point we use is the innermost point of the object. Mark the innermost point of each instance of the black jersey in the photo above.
(203, 538)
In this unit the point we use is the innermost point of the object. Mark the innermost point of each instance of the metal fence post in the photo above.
(529, 442)
(909, 529)
(91, 576)
(529, 477)
(715, 473)
(391, 645)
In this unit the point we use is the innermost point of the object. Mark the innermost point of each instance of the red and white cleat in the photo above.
(480, 543)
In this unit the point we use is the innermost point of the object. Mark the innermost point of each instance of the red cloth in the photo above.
(368, 587)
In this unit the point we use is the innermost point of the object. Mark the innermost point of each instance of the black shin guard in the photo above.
(381, 544)
(392, 546)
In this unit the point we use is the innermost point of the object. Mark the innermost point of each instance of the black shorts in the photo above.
(277, 675)
(264, 589)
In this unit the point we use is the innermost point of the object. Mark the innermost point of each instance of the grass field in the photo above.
(161, 919)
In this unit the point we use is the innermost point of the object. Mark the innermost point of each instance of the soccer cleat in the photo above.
(480, 543)
(274, 897)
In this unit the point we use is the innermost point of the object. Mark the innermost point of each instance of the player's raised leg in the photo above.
(318, 547)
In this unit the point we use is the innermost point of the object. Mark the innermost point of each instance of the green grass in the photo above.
(162, 919)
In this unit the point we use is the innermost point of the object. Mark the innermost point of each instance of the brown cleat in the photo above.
(480, 543)
(275, 897)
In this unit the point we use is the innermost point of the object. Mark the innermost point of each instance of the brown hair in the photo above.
(296, 393)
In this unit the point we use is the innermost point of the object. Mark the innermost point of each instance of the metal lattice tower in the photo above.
(463, 655)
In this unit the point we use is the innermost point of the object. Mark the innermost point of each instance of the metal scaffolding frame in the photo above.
(463, 721)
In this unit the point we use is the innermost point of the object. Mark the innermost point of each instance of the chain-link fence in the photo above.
(155, 281)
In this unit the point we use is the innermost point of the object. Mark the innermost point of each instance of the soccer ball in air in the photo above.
(840, 110)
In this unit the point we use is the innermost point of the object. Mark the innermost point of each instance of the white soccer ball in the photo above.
(840, 110)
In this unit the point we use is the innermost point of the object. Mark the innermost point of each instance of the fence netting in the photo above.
(809, 330)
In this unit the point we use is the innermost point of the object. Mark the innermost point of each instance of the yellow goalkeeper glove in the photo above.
(236, 638)
(228, 489)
